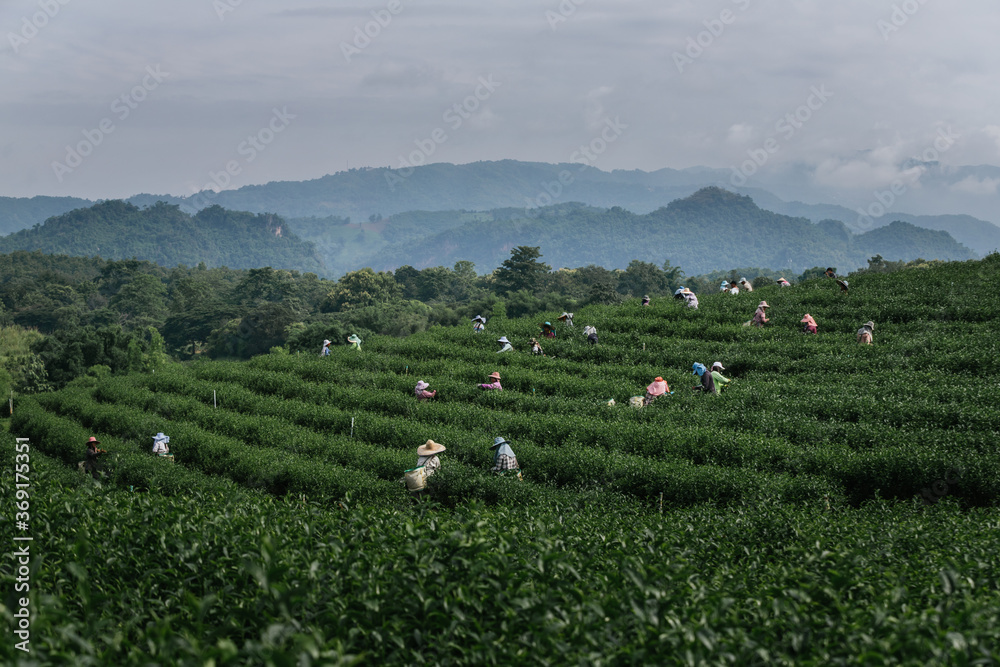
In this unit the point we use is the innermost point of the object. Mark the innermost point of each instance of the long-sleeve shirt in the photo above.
(431, 464)
(494, 385)
(759, 318)
(692, 301)
(506, 348)
(718, 380)
(505, 462)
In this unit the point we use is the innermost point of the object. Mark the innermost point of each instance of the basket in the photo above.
(416, 479)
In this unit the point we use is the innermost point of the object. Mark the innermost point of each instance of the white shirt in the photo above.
(506, 348)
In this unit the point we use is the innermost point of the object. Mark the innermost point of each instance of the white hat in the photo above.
(502, 339)
(718, 364)
(326, 342)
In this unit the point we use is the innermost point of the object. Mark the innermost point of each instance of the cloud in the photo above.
(740, 134)
(976, 186)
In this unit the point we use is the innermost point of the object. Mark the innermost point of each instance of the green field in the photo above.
(835, 505)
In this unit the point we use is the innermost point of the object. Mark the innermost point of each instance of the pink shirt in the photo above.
(495, 385)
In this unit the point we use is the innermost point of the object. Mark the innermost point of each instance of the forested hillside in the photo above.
(164, 234)
(700, 233)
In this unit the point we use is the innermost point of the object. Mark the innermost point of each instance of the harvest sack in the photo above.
(416, 479)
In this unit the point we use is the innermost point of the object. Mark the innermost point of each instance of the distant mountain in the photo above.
(166, 235)
(18, 213)
(978, 235)
(344, 213)
(712, 228)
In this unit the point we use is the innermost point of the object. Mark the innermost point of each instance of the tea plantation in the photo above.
(836, 504)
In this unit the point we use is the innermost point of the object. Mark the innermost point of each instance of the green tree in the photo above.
(522, 271)
(360, 289)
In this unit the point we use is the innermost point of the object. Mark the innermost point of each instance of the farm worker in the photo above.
(492, 385)
(745, 284)
(658, 387)
(734, 288)
(567, 318)
(830, 272)
(504, 461)
(591, 334)
(536, 348)
(506, 345)
(92, 462)
(160, 444)
(810, 324)
(783, 283)
(679, 292)
(760, 316)
(325, 350)
(427, 456)
(843, 285)
(548, 331)
(865, 333)
(420, 391)
(718, 379)
(354, 341)
(645, 299)
(707, 381)
(724, 287)
(478, 323)
(690, 300)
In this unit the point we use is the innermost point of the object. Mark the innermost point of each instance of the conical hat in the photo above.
(430, 448)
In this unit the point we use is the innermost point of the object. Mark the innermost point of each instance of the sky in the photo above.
(111, 98)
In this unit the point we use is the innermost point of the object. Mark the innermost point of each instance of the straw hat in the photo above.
(502, 339)
(93, 440)
(495, 375)
(763, 304)
(806, 318)
(479, 318)
(718, 364)
(497, 442)
(421, 385)
(430, 448)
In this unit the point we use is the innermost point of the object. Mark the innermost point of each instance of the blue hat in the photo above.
(699, 369)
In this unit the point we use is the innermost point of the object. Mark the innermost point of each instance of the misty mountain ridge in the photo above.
(365, 194)
(708, 230)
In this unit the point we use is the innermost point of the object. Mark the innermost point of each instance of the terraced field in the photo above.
(836, 504)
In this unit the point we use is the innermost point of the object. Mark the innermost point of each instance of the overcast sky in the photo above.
(163, 96)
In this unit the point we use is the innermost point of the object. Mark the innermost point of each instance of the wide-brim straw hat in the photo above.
(687, 291)
(497, 442)
(806, 318)
(421, 385)
(502, 339)
(494, 375)
(93, 440)
(430, 448)
(870, 324)
(479, 318)
(763, 304)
